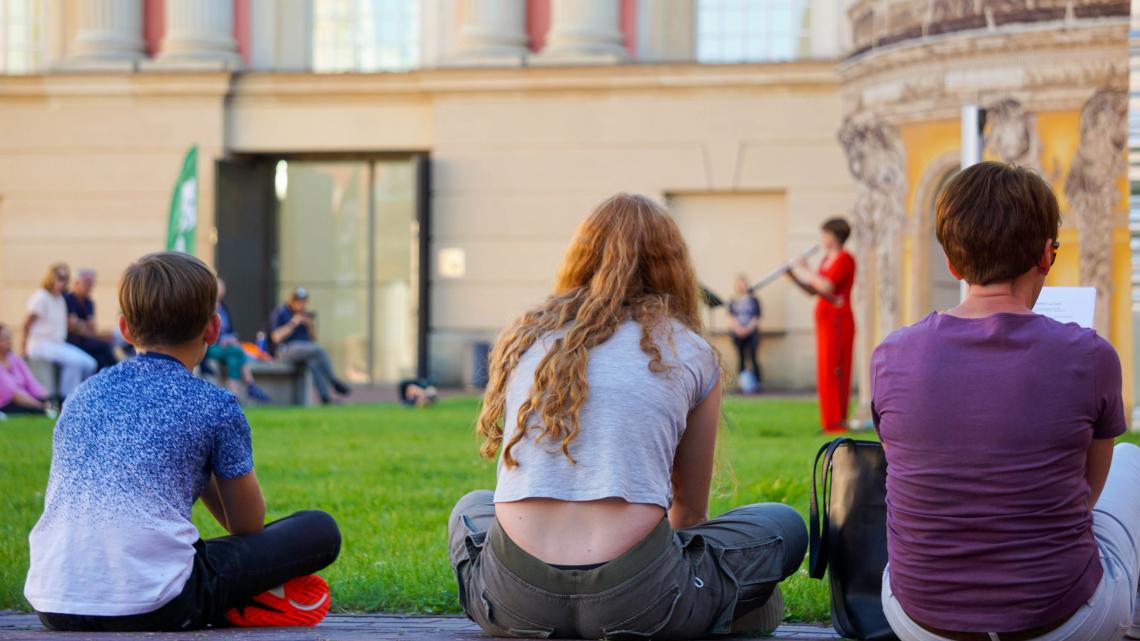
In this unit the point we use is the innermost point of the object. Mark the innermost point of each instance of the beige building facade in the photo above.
(420, 165)
(519, 144)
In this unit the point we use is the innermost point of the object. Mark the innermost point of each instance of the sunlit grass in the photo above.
(390, 476)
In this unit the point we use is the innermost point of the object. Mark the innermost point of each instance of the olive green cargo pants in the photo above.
(682, 584)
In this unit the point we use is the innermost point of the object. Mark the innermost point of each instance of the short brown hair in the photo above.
(167, 298)
(993, 219)
(837, 227)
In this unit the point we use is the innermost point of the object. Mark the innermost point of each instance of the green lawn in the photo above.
(390, 476)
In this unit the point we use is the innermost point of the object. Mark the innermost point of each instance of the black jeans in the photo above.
(102, 351)
(12, 408)
(227, 571)
(746, 348)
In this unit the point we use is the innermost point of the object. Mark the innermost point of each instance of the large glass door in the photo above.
(347, 232)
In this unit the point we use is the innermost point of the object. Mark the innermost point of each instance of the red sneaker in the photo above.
(302, 601)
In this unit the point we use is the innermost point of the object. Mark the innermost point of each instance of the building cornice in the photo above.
(803, 75)
(814, 75)
(1044, 68)
(180, 85)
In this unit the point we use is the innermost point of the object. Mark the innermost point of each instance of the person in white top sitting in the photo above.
(602, 406)
(45, 331)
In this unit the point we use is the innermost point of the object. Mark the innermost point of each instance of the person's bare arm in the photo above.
(281, 334)
(810, 286)
(1096, 467)
(243, 507)
(311, 323)
(821, 285)
(733, 326)
(693, 464)
(213, 502)
(23, 399)
(78, 327)
(31, 318)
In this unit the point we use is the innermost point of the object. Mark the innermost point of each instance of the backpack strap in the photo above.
(819, 522)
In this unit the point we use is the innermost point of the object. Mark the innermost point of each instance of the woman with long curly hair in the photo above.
(602, 407)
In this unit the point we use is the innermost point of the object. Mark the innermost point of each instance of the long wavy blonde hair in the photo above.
(627, 260)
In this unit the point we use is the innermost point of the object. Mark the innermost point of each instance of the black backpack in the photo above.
(849, 537)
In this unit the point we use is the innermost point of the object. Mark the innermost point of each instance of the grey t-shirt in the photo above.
(631, 422)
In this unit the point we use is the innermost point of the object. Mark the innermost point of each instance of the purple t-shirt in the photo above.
(987, 423)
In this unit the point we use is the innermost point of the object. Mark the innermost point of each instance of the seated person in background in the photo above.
(20, 392)
(134, 448)
(228, 351)
(599, 524)
(81, 329)
(1009, 514)
(417, 392)
(45, 331)
(295, 333)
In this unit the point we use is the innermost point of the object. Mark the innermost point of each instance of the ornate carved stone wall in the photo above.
(876, 158)
(881, 23)
(1093, 194)
(1011, 134)
(915, 63)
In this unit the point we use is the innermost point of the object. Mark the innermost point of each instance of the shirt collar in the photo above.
(159, 357)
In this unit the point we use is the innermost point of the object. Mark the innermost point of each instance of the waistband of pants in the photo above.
(539, 574)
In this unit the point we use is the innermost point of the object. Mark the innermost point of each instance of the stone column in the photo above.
(493, 34)
(109, 34)
(199, 35)
(584, 32)
(666, 30)
(877, 161)
(825, 31)
(1091, 189)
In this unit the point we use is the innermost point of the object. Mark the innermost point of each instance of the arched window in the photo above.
(21, 35)
(366, 35)
(730, 31)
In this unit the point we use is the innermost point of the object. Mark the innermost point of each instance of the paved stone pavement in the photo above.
(16, 626)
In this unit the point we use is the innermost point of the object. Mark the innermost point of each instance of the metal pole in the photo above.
(1134, 203)
(973, 119)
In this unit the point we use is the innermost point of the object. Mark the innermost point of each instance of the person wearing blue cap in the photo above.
(295, 333)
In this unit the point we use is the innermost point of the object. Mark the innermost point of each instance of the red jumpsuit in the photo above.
(834, 340)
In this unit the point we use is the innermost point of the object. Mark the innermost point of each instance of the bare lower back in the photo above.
(577, 532)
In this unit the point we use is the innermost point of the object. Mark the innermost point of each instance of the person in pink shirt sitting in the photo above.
(20, 392)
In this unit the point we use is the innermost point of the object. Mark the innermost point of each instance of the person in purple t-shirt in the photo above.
(1009, 512)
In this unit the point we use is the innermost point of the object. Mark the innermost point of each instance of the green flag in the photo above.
(182, 228)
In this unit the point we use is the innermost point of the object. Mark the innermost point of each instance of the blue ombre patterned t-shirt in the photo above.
(132, 450)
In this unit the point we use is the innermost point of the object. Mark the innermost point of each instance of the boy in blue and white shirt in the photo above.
(135, 446)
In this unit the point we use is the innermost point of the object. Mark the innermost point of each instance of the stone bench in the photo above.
(47, 374)
(345, 627)
(286, 383)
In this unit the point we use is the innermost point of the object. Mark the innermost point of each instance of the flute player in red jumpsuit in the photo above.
(834, 321)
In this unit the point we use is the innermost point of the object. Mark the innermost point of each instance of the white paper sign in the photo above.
(1068, 304)
(452, 262)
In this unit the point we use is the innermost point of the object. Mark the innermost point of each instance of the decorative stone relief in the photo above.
(881, 23)
(876, 159)
(1091, 189)
(1011, 134)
